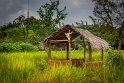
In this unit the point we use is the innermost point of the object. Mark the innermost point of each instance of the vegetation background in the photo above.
(21, 42)
(108, 23)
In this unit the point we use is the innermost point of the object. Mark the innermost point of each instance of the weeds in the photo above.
(32, 67)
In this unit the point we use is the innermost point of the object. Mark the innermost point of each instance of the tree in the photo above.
(22, 29)
(51, 15)
(111, 13)
(27, 24)
(20, 21)
(31, 29)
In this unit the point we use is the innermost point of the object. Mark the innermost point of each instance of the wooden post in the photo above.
(49, 51)
(102, 54)
(67, 52)
(84, 49)
(68, 35)
(90, 52)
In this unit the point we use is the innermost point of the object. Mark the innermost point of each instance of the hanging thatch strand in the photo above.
(95, 42)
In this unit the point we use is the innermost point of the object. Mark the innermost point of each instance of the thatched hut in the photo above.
(66, 35)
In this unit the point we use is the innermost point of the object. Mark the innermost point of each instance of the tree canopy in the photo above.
(51, 15)
(111, 13)
(31, 29)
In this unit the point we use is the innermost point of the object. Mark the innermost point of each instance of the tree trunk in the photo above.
(119, 44)
(120, 38)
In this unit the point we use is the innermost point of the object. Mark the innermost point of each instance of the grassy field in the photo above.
(32, 67)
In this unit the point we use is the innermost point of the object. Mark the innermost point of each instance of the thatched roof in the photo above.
(95, 42)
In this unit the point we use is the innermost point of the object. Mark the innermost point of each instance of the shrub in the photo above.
(6, 47)
(18, 46)
(114, 58)
(28, 47)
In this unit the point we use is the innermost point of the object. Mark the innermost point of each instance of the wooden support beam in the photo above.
(69, 50)
(84, 49)
(68, 35)
(90, 52)
(56, 41)
(102, 53)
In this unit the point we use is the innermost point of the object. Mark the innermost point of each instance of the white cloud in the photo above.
(23, 12)
(77, 3)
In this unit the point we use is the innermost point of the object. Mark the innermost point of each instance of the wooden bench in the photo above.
(59, 62)
(75, 62)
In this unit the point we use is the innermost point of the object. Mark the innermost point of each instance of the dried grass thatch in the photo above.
(95, 42)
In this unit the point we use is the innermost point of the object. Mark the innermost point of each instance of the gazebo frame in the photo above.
(67, 33)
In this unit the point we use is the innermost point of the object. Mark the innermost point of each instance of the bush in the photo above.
(114, 58)
(18, 46)
(27, 47)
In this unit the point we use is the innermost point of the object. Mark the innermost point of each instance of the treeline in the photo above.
(25, 30)
(17, 47)
(22, 29)
(34, 30)
(107, 24)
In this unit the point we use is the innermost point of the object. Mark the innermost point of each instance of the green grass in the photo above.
(18, 66)
(32, 67)
(76, 55)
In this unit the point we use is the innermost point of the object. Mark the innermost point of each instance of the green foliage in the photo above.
(51, 15)
(14, 34)
(18, 46)
(13, 73)
(34, 30)
(109, 13)
(50, 10)
(114, 58)
(31, 67)
(28, 47)
(20, 67)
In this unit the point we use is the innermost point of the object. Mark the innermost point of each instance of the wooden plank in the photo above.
(84, 49)
(78, 41)
(68, 35)
(60, 32)
(56, 41)
(95, 64)
(102, 54)
(90, 52)
(69, 41)
(69, 50)
(59, 62)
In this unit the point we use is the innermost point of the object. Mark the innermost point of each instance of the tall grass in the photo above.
(76, 54)
(68, 74)
(19, 67)
(32, 67)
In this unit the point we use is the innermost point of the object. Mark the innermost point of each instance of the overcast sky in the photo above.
(77, 9)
